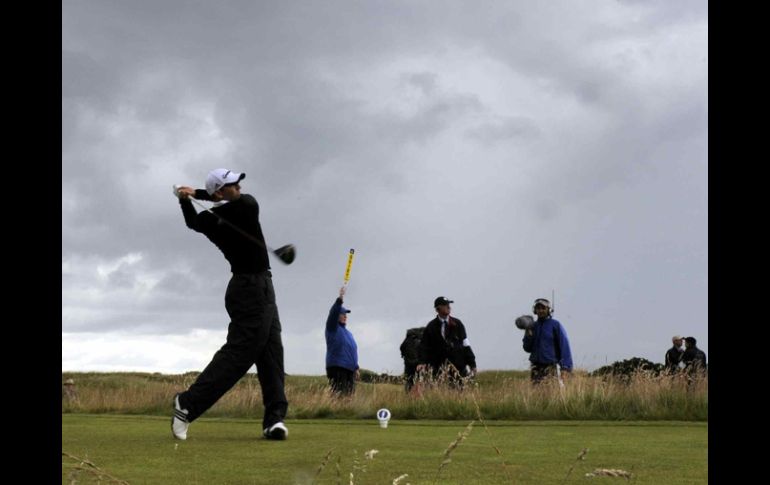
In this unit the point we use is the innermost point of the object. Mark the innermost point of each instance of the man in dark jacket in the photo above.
(547, 343)
(674, 354)
(254, 333)
(445, 341)
(694, 358)
(341, 350)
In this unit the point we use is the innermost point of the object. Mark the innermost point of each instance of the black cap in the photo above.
(691, 340)
(441, 300)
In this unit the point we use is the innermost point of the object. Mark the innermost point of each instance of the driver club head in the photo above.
(286, 253)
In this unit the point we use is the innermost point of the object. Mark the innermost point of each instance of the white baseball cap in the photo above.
(221, 177)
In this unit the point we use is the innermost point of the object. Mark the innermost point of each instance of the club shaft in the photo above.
(244, 233)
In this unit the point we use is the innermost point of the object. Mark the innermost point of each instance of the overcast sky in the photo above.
(492, 152)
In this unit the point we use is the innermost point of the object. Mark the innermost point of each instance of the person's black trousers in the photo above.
(253, 337)
(341, 380)
(453, 372)
(410, 371)
(541, 372)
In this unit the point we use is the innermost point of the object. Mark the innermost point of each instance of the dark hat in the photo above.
(690, 340)
(344, 310)
(441, 300)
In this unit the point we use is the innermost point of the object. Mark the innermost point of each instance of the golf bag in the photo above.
(410, 354)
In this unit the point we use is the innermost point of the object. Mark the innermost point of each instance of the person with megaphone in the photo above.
(547, 343)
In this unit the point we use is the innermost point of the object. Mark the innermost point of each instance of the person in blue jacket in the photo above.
(341, 350)
(547, 344)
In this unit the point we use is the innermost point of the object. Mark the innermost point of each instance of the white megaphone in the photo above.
(383, 416)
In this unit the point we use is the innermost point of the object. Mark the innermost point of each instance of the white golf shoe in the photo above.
(278, 431)
(179, 423)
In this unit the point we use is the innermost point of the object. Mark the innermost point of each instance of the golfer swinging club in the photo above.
(254, 333)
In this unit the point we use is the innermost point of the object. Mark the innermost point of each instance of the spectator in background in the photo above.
(694, 358)
(445, 343)
(68, 392)
(341, 350)
(674, 354)
(547, 343)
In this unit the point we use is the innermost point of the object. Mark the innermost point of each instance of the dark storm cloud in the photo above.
(490, 153)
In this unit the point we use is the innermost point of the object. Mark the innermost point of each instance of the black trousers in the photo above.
(452, 372)
(410, 372)
(341, 380)
(541, 372)
(253, 337)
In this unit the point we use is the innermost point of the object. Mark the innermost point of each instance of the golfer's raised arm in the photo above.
(189, 212)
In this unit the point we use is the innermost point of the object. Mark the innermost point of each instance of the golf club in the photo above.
(285, 253)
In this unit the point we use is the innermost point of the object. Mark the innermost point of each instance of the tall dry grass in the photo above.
(495, 395)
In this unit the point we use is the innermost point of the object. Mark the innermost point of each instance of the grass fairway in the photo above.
(140, 449)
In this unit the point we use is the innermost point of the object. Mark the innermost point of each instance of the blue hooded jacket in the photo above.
(341, 348)
(548, 344)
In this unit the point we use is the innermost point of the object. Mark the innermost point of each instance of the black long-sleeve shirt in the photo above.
(244, 255)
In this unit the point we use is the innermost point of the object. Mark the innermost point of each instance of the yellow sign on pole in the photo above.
(350, 263)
